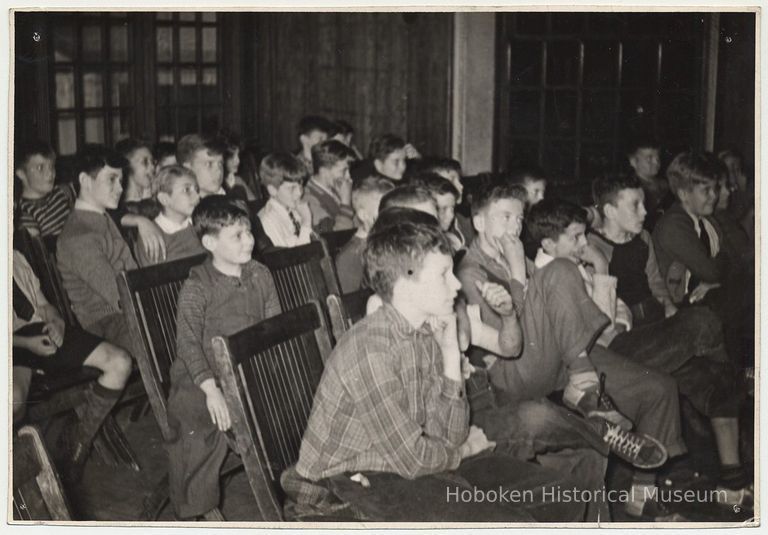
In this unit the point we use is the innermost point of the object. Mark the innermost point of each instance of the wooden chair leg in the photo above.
(157, 501)
(118, 444)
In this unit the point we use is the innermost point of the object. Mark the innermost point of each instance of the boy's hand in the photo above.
(475, 443)
(41, 345)
(591, 255)
(511, 248)
(497, 297)
(55, 331)
(344, 189)
(669, 309)
(217, 407)
(463, 324)
(410, 152)
(445, 332)
(152, 236)
(701, 290)
(302, 208)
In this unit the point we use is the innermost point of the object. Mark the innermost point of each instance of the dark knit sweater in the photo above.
(90, 253)
(180, 244)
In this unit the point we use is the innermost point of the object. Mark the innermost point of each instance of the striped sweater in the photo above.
(48, 214)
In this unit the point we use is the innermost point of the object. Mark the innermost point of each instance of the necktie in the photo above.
(21, 305)
(296, 224)
(704, 238)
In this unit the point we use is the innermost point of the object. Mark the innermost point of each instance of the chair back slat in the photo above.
(149, 298)
(270, 372)
(346, 310)
(37, 491)
(302, 274)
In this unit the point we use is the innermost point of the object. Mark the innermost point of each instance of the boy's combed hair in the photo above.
(129, 145)
(638, 142)
(93, 158)
(520, 175)
(215, 212)
(398, 251)
(190, 144)
(26, 149)
(497, 191)
(691, 168)
(406, 196)
(167, 176)
(398, 214)
(163, 149)
(606, 188)
(383, 146)
(369, 186)
(329, 153)
(436, 184)
(343, 127)
(280, 167)
(551, 217)
(442, 164)
(310, 123)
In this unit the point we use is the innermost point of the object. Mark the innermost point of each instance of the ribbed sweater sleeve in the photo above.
(189, 331)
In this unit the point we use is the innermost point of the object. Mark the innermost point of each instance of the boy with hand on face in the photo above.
(329, 189)
(644, 158)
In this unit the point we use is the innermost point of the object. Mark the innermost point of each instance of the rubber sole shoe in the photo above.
(658, 512)
(745, 496)
(639, 449)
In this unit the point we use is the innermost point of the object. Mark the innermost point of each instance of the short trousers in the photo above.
(78, 345)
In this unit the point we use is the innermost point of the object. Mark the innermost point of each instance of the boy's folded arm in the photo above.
(383, 407)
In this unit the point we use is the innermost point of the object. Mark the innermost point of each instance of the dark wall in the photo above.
(735, 116)
(381, 72)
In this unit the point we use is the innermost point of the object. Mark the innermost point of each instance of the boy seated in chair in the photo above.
(225, 294)
(329, 189)
(42, 342)
(388, 437)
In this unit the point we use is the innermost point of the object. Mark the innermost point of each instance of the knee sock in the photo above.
(99, 401)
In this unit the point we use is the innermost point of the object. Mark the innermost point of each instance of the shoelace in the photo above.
(602, 399)
(620, 440)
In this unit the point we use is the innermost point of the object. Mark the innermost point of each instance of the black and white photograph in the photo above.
(348, 267)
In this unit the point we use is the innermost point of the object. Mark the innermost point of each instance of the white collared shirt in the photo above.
(278, 225)
(169, 226)
(699, 224)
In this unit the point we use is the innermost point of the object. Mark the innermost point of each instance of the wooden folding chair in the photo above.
(52, 396)
(269, 373)
(336, 240)
(346, 310)
(302, 274)
(37, 491)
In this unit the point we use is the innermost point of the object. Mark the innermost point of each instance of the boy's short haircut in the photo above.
(383, 146)
(641, 142)
(521, 175)
(280, 167)
(343, 127)
(551, 217)
(398, 214)
(329, 153)
(691, 168)
(26, 149)
(606, 189)
(310, 123)
(406, 196)
(163, 149)
(443, 164)
(129, 145)
(494, 192)
(93, 158)
(167, 176)
(436, 184)
(369, 186)
(216, 212)
(398, 251)
(190, 144)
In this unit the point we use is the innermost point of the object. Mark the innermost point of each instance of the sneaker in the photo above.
(745, 496)
(595, 403)
(639, 449)
(657, 512)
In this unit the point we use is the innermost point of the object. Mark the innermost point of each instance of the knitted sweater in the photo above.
(179, 244)
(328, 213)
(90, 253)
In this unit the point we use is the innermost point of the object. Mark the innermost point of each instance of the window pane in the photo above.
(92, 43)
(209, 16)
(164, 15)
(93, 95)
(187, 17)
(524, 153)
(531, 23)
(601, 59)
(639, 63)
(562, 63)
(637, 110)
(121, 89)
(165, 125)
(187, 42)
(560, 113)
(209, 88)
(209, 44)
(121, 125)
(595, 160)
(164, 37)
(188, 121)
(118, 43)
(560, 158)
(65, 89)
(524, 112)
(188, 87)
(63, 42)
(211, 122)
(67, 132)
(525, 62)
(679, 64)
(567, 22)
(598, 116)
(94, 128)
(164, 86)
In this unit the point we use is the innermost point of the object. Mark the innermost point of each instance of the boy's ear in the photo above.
(478, 221)
(163, 198)
(378, 166)
(209, 242)
(83, 178)
(608, 209)
(272, 190)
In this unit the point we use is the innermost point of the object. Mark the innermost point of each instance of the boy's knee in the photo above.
(119, 361)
